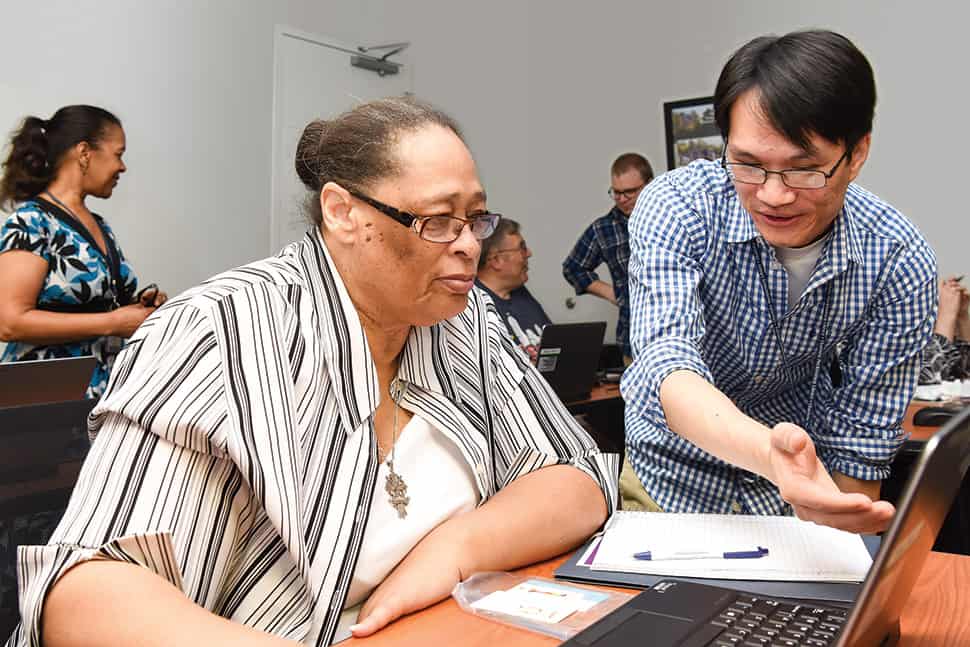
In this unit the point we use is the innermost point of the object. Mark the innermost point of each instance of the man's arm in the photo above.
(603, 290)
(578, 266)
(784, 455)
(880, 366)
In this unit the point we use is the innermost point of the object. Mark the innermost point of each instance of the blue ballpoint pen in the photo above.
(655, 556)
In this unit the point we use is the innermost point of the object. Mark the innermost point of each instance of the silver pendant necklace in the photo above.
(396, 488)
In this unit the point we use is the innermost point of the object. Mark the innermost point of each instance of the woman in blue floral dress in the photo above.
(66, 289)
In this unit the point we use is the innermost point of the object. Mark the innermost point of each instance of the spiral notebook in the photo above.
(796, 550)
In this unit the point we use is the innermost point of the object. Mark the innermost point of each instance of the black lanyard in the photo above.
(113, 258)
(776, 330)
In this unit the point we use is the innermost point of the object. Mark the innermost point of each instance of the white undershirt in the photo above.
(799, 262)
(440, 484)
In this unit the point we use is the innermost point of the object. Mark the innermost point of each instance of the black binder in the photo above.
(831, 592)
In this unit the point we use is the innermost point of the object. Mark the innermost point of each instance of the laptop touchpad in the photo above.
(647, 628)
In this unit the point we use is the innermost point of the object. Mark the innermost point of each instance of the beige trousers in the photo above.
(633, 496)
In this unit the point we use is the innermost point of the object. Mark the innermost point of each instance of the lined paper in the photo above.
(799, 551)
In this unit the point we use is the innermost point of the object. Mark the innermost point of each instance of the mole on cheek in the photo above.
(367, 239)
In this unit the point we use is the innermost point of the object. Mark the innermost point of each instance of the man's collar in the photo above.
(843, 248)
(619, 215)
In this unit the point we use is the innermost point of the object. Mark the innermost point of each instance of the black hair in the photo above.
(38, 146)
(358, 147)
(807, 82)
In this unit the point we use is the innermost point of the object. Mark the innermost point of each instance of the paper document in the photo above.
(797, 550)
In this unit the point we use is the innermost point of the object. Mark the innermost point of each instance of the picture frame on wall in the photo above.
(691, 131)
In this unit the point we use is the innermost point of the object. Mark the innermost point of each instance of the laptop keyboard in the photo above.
(755, 622)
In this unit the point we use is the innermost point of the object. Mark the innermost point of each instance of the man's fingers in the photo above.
(811, 496)
(876, 519)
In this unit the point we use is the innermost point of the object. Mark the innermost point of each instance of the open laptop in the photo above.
(568, 357)
(686, 614)
(45, 380)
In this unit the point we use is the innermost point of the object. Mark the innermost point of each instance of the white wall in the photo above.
(192, 82)
(548, 94)
(551, 94)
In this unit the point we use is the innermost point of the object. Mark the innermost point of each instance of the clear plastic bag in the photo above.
(538, 604)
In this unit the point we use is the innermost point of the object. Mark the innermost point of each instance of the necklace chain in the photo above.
(396, 488)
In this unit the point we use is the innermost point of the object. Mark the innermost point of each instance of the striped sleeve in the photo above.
(534, 427)
(155, 490)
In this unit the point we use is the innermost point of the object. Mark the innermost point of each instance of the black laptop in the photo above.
(685, 614)
(568, 357)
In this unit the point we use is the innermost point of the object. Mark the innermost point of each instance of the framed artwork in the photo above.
(691, 131)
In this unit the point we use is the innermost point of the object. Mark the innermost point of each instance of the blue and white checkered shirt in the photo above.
(606, 240)
(697, 303)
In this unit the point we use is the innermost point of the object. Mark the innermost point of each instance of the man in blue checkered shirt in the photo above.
(607, 240)
(778, 310)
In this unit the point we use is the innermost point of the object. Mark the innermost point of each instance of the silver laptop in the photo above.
(45, 380)
(688, 614)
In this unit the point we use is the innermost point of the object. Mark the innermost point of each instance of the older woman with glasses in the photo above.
(334, 436)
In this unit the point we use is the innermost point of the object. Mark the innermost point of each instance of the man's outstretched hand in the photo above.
(805, 484)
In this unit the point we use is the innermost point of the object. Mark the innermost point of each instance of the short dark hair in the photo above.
(636, 161)
(808, 82)
(38, 146)
(356, 148)
(505, 227)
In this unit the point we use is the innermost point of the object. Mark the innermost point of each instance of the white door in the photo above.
(313, 79)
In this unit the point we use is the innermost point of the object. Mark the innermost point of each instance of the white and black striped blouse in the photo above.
(235, 453)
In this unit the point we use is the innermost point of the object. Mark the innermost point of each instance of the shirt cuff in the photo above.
(581, 281)
(866, 459)
(41, 566)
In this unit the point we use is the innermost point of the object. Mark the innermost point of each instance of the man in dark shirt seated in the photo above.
(503, 269)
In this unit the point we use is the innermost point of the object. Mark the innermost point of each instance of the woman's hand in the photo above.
(428, 574)
(952, 301)
(126, 319)
(150, 296)
(804, 482)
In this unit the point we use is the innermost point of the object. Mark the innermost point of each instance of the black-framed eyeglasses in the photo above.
(620, 194)
(521, 248)
(793, 178)
(436, 229)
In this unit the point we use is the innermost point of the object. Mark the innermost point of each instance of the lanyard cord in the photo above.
(110, 254)
(776, 329)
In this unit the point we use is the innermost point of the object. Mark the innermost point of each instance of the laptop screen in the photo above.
(568, 357)
(909, 540)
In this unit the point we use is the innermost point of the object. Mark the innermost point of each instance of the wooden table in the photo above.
(915, 432)
(936, 615)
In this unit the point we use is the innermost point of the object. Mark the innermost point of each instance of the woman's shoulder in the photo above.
(29, 228)
(30, 212)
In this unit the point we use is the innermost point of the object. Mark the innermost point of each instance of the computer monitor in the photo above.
(45, 380)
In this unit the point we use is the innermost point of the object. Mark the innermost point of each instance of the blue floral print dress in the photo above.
(80, 278)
